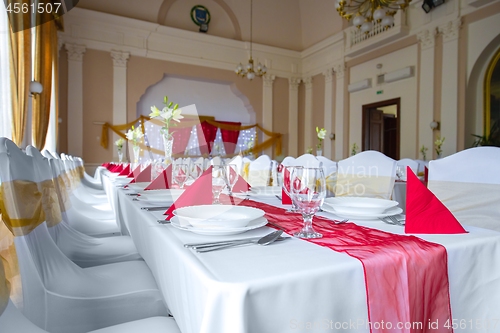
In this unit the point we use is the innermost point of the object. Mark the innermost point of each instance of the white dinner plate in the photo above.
(257, 223)
(360, 215)
(138, 186)
(348, 205)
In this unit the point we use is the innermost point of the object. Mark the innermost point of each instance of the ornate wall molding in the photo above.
(328, 74)
(427, 38)
(294, 83)
(339, 70)
(450, 30)
(268, 80)
(120, 58)
(75, 51)
(308, 81)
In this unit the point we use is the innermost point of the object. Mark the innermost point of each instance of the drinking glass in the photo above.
(401, 172)
(231, 171)
(180, 173)
(219, 182)
(286, 176)
(196, 170)
(308, 188)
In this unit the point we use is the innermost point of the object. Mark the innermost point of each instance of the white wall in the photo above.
(406, 89)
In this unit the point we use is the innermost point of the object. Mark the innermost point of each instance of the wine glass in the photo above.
(180, 173)
(219, 182)
(308, 189)
(196, 170)
(231, 171)
(400, 172)
(286, 180)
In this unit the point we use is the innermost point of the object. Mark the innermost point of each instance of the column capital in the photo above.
(294, 83)
(308, 81)
(450, 30)
(268, 80)
(120, 58)
(427, 38)
(75, 51)
(339, 70)
(328, 74)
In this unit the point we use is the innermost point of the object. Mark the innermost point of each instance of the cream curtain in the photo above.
(20, 69)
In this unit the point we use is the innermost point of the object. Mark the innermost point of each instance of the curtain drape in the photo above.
(181, 139)
(206, 137)
(45, 57)
(20, 68)
(229, 137)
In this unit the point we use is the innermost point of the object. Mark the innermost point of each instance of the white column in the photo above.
(293, 116)
(75, 98)
(119, 92)
(426, 96)
(308, 126)
(339, 111)
(449, 86)
(267, 106)
(327, 143)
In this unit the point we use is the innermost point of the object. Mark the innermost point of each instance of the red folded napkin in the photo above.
(143, 176)
(426, 175)
(135, 172)
(285, 198)
(116, 168)
(163, 181)
(425, 214)
(125, 171)
(199, 193)
(241, 185)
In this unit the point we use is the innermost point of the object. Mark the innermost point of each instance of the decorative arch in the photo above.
(167, 4)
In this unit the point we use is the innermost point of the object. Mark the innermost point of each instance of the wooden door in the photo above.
(373, 130)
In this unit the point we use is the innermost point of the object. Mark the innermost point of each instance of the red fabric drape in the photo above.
(230, 138)
(181, 139)
(206, 137)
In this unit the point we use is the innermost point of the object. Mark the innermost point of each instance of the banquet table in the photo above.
(295, 285)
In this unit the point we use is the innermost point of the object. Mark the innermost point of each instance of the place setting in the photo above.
(362, 208)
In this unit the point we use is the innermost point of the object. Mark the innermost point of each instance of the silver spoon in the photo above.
(266, 240)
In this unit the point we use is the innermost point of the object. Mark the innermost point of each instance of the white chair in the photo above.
(216, 161)
(468, 184)
(308, 161)
(421, 167)
(238, 161)
(83, 250)
(58, 295)
(407, 162)
(13, 321)
(288, 161)
(330, 171)
(369, 173)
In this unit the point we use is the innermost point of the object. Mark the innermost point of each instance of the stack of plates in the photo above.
(218, 220)
(361, 208)
(160, 196)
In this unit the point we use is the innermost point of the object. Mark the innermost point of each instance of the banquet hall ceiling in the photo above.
(289, 24)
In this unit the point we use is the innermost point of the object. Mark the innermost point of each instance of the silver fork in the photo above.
(392, 220)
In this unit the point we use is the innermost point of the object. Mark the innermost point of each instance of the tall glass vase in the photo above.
(136, 149)
(168, 145)
(120, 155)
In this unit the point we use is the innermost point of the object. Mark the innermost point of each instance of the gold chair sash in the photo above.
(22, 221)
(50, 203)
(474, 204)
(64, 201)
(360, 185)
(4, 289)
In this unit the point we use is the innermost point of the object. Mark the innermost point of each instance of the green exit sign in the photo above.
(380, 92)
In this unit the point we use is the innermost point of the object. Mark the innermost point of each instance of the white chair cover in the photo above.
(259, 171)
(288, 161)
(83, 250)
(58, 295)
(308, 161)
(421, 166)
(216, 161)
(408, 162)
(238, 161)
(13, 321)
(330, 171)
(82, 217)
(369, 173)
(468, 183)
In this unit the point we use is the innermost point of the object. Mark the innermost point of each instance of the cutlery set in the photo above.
(393, 220)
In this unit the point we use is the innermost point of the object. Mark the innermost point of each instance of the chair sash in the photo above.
(4, 289)
(361, 185)
(474, 204)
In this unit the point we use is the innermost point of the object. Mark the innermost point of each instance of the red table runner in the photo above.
(406, 278)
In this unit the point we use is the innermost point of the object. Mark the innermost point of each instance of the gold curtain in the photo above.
(20, 69)
(45, 57)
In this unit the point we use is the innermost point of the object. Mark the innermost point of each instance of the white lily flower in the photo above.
(176, 115)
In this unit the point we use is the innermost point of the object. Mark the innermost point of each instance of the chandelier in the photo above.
(366, 11)
(249, 70)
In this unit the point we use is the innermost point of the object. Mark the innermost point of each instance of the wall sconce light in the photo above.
(36, 88)
(434, 125)
(332, 136)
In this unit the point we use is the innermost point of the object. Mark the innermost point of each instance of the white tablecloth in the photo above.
(296, 286)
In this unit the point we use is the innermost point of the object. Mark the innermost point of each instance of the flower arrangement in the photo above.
(169, 112)
(354, 149)
(321, 133)
(423, 151)
(309, 150)
(134, 135)
(119, 143)
(438, 145)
